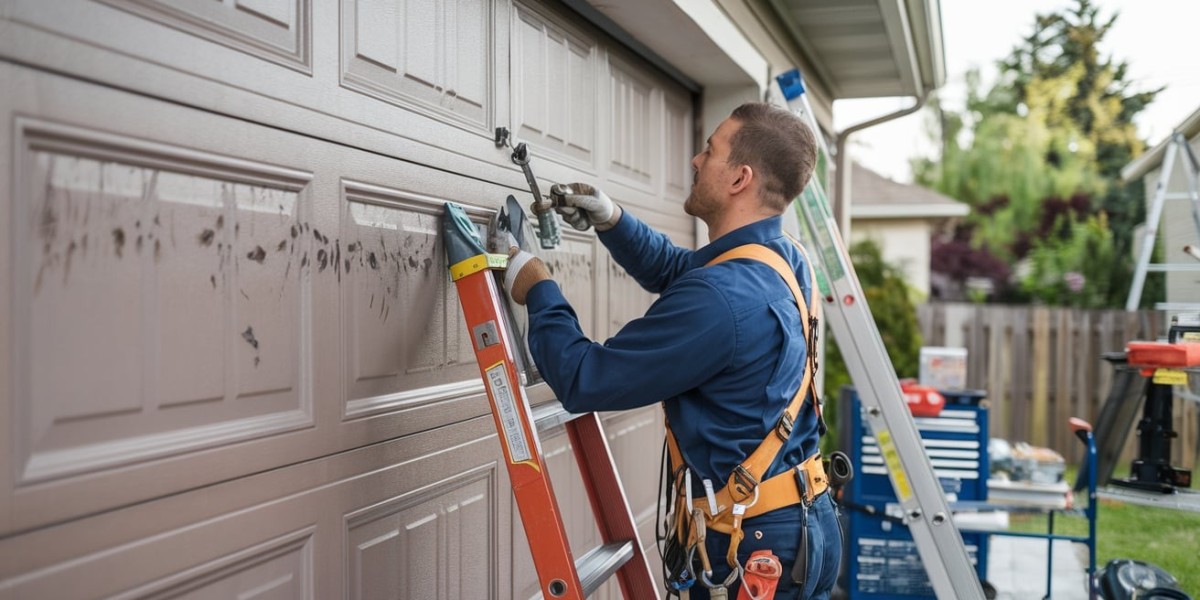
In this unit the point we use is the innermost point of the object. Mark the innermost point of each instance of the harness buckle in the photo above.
(742, 483)
(783, 428)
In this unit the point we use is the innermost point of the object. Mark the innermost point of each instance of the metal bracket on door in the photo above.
(542, 207)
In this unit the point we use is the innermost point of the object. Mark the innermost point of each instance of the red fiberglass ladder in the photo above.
(482, 298)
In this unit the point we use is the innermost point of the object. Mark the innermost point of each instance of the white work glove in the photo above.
(584, 206)
(524, 271)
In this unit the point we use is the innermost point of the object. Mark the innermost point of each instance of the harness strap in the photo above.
(744, 483)
(776, 492)
(746, 476)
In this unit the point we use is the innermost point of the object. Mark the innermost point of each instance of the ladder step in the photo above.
(551, 415)
(1164, 267)
(600, 563)
(1177, 306)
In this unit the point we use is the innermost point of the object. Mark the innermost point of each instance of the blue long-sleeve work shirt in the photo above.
(722, 347)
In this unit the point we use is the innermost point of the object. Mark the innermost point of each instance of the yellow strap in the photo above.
(760, 460)
(781, 492)
(477, 263)
(776, 492)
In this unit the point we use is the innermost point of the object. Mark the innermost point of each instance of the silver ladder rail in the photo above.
(1178, 152)
(926, 512)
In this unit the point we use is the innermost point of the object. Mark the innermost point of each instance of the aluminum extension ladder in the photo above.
(497, 352)
(1178, 152)
(926, 511)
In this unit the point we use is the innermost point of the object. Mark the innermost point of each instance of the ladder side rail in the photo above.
(610, 504)
(540, 515)
(1151, 233)
(927, 513)
(918, 491)
(1193, 176)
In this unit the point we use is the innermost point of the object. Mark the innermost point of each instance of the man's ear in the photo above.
(743, 180)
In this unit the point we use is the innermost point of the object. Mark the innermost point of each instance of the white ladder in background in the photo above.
(1178, 152)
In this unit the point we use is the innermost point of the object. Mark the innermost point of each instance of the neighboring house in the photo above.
(902, 219)
(232, 361)
(1178, 227)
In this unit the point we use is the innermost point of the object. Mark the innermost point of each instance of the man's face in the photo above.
(712, 172)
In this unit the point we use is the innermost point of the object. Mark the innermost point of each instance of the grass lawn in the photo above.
(1164, 537)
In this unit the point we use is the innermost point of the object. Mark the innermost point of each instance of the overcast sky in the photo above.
(1156, 37)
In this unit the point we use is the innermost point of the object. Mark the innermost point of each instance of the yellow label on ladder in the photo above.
(892, 459)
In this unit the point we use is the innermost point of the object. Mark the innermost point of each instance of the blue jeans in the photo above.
(779, 531)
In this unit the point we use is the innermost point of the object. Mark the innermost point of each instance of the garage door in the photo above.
(233, 363)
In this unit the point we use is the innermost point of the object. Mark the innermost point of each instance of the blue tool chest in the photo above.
(883, 562)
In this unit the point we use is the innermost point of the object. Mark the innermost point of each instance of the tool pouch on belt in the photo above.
(761, 576)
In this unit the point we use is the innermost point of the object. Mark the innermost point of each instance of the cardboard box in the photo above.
(943, 368)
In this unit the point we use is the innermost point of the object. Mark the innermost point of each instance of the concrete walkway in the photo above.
(1017, 568)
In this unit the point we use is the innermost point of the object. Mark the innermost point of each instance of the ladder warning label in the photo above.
(510, 419)
(888, 449)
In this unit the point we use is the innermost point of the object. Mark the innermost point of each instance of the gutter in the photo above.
(841, 199)
(1143, 164)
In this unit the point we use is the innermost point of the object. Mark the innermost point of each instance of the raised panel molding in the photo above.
(278, 569)
(573, 266)
(406, 341)
(444, 533)
(432, 56)
(273, 30)
(627, 300)
(677, 148)
(632, 436)
(191, 260)
(554, 86)
(635, 139)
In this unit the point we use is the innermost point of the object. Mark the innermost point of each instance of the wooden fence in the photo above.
(1041, 366)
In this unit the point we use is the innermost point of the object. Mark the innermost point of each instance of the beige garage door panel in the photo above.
(423, 81)
(177, 303)
(415, 80)
(422, 517)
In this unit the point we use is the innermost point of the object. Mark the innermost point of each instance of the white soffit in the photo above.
(694, 36)
(869, 48)
(1152, 158)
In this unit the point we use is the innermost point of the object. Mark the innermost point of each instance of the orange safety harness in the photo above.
(745, 495)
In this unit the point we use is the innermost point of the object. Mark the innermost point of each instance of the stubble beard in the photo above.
(698, 204)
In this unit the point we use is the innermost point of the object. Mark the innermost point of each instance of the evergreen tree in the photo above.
(1043, 152)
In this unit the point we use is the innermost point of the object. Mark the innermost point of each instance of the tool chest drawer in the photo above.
(882, 560)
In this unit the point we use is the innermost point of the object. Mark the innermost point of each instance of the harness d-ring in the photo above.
(733, 576)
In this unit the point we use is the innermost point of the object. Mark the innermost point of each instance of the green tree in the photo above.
(1056, 128)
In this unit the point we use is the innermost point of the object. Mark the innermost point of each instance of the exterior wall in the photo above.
(233, 362)
(904, 242)
(1177, 229)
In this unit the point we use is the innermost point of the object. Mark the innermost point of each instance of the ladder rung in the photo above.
(550, 416)
(595, 567)
(1164, 267)
(1177, 306)
(1177, 196)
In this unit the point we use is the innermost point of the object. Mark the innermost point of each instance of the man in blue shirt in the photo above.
(724, 347)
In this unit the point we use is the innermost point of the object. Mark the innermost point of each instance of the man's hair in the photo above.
(778, 146)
